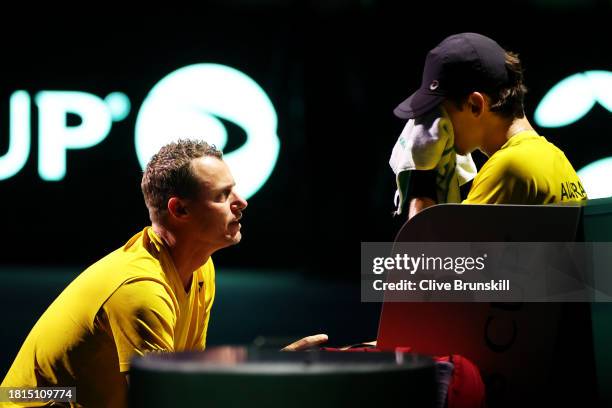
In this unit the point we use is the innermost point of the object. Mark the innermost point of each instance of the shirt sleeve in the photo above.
(141, 317)
(501, 181)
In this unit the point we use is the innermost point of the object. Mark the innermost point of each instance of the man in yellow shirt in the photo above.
(480, 86)
(153, 294)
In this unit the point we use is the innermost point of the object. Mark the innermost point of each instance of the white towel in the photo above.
(427, 143)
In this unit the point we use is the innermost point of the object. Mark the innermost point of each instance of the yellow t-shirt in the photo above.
(526, 170)
(130, 302)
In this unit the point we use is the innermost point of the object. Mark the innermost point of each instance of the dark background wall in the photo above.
(334, 71)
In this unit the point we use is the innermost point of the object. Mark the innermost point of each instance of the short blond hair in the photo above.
(169, 173)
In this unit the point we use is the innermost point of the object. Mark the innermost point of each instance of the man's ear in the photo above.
(476, 103)
(177, 208)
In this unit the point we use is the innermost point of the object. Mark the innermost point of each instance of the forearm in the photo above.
(418, 204)
(422, 191)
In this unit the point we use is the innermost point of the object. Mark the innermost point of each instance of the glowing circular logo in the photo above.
(188, 103)
(595, 178)
(573, 97)
(570, 100)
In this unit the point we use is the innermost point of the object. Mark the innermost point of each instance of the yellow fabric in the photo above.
(526, 170)
(128, 303)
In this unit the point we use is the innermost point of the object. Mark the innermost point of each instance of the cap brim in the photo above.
(417, 104)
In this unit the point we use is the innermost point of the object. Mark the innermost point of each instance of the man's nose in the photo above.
(240, 203)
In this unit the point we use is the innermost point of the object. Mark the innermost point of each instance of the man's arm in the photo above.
(141, 319)
(418, 204)
(422, 191)
(306, 343)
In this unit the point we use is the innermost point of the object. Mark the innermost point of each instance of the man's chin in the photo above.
(233, 234)
(234, 239)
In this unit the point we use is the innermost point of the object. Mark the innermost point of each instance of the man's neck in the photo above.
(186, 256)
(502, 132)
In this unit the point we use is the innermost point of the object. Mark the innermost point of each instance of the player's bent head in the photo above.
(506, 99)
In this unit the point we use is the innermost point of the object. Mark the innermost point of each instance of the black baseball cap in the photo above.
(460, 64)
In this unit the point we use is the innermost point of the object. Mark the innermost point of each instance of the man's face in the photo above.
(215, 212)
(466, 127)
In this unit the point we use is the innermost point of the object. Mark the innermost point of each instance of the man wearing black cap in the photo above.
(479, 86)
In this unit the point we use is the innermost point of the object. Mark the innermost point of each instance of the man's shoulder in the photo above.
(103, 277)
(530, 147)
(531, 157)
(131, 259)
(144, 299)
(143, 291)
(509, 162)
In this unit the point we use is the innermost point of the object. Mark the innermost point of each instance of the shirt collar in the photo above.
(520, 136)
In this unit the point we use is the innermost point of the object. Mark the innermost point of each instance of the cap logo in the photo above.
(434, 85)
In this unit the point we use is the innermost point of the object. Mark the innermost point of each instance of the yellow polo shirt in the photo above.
(526, 170)
(130, 302)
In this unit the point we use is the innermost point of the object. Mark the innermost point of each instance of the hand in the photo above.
(306, 343)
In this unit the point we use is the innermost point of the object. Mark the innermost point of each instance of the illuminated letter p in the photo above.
(55, 137)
